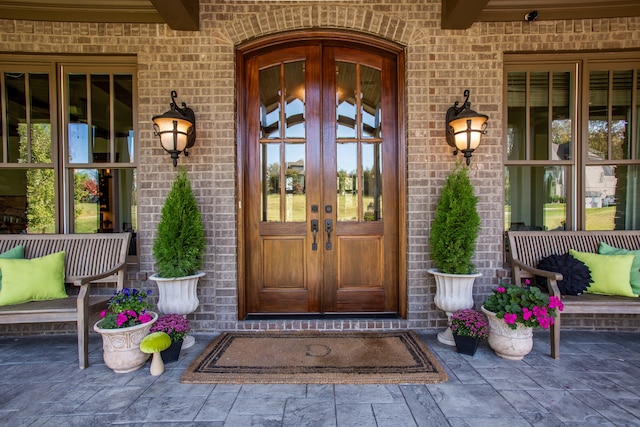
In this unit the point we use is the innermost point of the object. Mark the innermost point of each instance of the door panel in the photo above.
(321, 225)
(354, 270)
(358, 145)
(279, 257)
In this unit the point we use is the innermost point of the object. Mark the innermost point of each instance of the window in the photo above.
(67, 158)
(572, 153)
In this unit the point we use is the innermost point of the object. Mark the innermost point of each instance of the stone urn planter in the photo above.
(511, 344)
(453, 292)
(121, 346)
(178, 295)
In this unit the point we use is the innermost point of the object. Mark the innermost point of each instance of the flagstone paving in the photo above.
(595, 383)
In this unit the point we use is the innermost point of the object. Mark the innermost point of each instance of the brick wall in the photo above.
(440, 65)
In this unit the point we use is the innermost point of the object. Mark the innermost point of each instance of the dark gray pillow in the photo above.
(575, 274)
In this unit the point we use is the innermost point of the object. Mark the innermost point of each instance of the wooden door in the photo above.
(321, 222)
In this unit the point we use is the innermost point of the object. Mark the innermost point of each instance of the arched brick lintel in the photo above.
(325, 17)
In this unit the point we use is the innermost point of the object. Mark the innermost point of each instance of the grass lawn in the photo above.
(347, 208)
(555, 215)
(88, 219)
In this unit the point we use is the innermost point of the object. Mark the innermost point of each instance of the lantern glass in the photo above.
(165, 129)
(468, 131)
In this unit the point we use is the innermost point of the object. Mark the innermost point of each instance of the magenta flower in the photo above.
(121, 319)
(555, 302)
(545, 322)
(144, 318)
(540, 311)
(510, 318)
(125, 308)
(522, 305)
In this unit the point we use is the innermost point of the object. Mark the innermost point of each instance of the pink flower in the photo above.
(501, 290)
(144, 318)
(545, 322)
(540, 312)
(121, 319)
(103, 313)
(526, 313)
(510, 318)
(555, 302)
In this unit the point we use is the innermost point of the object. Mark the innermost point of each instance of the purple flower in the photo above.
(175, 325)
(469, 323)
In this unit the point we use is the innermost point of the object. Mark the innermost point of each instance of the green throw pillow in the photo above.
(32, 279)
(609, 273)
(15, 253)
(635, 266)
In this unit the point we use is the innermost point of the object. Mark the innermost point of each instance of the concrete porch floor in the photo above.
(595, 383)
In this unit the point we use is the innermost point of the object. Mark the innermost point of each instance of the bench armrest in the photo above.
(86, 280)
(552, 277)
(84, 283)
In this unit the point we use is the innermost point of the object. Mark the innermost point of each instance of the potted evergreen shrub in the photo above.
(453, 237)
(178, 250)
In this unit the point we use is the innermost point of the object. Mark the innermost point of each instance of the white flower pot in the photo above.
(121, 346)
(511, 344)
(453, 292)
(178, 295)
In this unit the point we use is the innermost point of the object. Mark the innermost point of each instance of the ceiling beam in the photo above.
(461, 14)
(179, 14)
(503, 10)
(80, 11)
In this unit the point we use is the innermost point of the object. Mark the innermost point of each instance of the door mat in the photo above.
(394, 357)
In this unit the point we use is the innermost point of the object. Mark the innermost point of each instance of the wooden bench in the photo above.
(89, 258)
(529, 247)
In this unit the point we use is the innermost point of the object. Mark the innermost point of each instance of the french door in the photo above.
(321, 207)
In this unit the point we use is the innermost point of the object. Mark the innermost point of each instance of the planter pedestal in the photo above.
(510, 344)
(121, 346)
(178, 295)
(453, 292)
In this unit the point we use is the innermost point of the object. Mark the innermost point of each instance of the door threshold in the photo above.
(320, 316)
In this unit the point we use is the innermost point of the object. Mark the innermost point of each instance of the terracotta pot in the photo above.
(121, 346)
(511, 344)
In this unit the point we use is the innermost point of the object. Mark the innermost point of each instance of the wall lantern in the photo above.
(176, 129)
(465, 128)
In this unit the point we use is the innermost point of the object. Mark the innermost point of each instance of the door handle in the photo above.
(328, 227)
(314, 230)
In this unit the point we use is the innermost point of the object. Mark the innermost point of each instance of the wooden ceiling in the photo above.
(178, 14)
(184, 14)
(461, 14)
